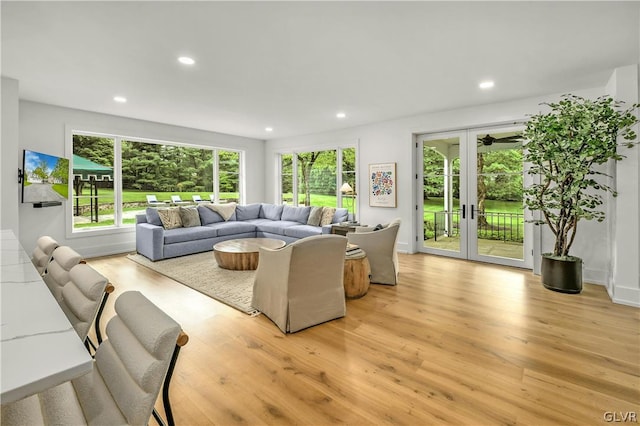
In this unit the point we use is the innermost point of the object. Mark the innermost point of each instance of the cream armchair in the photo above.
(380, 247)
(301, 285)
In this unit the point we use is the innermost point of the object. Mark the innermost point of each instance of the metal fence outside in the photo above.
(491, 225)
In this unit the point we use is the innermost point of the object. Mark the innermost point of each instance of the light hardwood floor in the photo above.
(455, 342)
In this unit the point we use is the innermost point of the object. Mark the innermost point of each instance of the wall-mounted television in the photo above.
(45, 179)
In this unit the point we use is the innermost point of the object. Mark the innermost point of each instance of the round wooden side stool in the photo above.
(357, 276)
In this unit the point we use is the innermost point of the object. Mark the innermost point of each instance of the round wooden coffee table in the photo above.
(242, 254)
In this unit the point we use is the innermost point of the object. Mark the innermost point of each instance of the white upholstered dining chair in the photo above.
(83, 299)
(129, 369)
(57, 274)
(301, 284)
(41, 255)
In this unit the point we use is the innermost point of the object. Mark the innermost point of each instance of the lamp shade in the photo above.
(346, 188)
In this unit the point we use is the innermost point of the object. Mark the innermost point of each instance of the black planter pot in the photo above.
(563, 275)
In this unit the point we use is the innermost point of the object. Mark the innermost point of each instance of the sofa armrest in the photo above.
(326, 229)
(150, 240)
(141, 218)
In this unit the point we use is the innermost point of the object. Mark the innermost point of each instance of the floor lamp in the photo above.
(346, 188)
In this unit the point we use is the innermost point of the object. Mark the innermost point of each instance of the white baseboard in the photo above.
(595, 276)
(403, 248)
(625, 296)
(107, 250)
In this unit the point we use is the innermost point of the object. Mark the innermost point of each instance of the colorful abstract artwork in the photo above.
(382, 185)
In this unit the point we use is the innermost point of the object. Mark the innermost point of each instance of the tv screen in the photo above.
(46, 178)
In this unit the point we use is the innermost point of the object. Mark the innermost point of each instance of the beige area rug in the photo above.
(202, 273)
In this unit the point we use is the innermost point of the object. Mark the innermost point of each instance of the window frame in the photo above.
(294, 166)
(118, 226)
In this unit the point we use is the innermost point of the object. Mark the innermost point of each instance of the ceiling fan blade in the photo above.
(509, 139)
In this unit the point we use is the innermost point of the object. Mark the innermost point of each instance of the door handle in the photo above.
(472, 206)
(464, 211)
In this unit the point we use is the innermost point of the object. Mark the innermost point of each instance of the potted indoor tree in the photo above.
(567, 148)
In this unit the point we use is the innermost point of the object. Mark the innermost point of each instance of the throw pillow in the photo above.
(315, 216)
(208, 216)
(170, 218)
(248, 212)
(378, 227)
(327, 216)
(224, 210)
(189, 216)
(152, 216)
(271, 211)
(296, 214)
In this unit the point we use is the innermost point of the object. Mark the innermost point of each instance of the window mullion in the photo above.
(118, 206)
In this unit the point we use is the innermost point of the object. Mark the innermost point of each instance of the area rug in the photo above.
(202, 273)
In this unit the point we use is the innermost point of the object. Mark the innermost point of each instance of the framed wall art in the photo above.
(382, 185)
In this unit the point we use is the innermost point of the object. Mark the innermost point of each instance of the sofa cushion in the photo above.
(250, 211)
(296, 214)
(208, 216)
(327, 215)
(226, 211)
(181, 235)
(315, 215)
(302, 231)
(153, 217)
(189, 216)
(271, 211)
(232, 227)
(170, 218)
(276, 226)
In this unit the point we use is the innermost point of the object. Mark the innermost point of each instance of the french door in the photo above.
(472, 182)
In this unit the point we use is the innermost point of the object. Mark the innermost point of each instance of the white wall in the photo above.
(11, 156)
(42, 128)
(393, 141)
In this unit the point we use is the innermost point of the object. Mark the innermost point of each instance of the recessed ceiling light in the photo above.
(486, 84)
(341, 115)
(268, 129)
(120, 99)
(186, 60)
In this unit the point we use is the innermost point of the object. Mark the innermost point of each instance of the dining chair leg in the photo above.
(182, 340)
(107, 291)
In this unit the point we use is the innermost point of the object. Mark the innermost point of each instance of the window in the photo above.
(314, 178)
(228, 176)
(93, 184)
(317, 178)
(286, 178)
(349, 177)
(113, 176)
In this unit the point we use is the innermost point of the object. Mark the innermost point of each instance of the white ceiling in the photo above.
(294, 65)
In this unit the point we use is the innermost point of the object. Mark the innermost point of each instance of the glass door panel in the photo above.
(443, 222)
(496, 197)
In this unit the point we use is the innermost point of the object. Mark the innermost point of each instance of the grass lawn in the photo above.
(320, 200)
(436, 205)
(430, 206)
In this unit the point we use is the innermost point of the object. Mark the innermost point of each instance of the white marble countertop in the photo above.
(39, 347)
